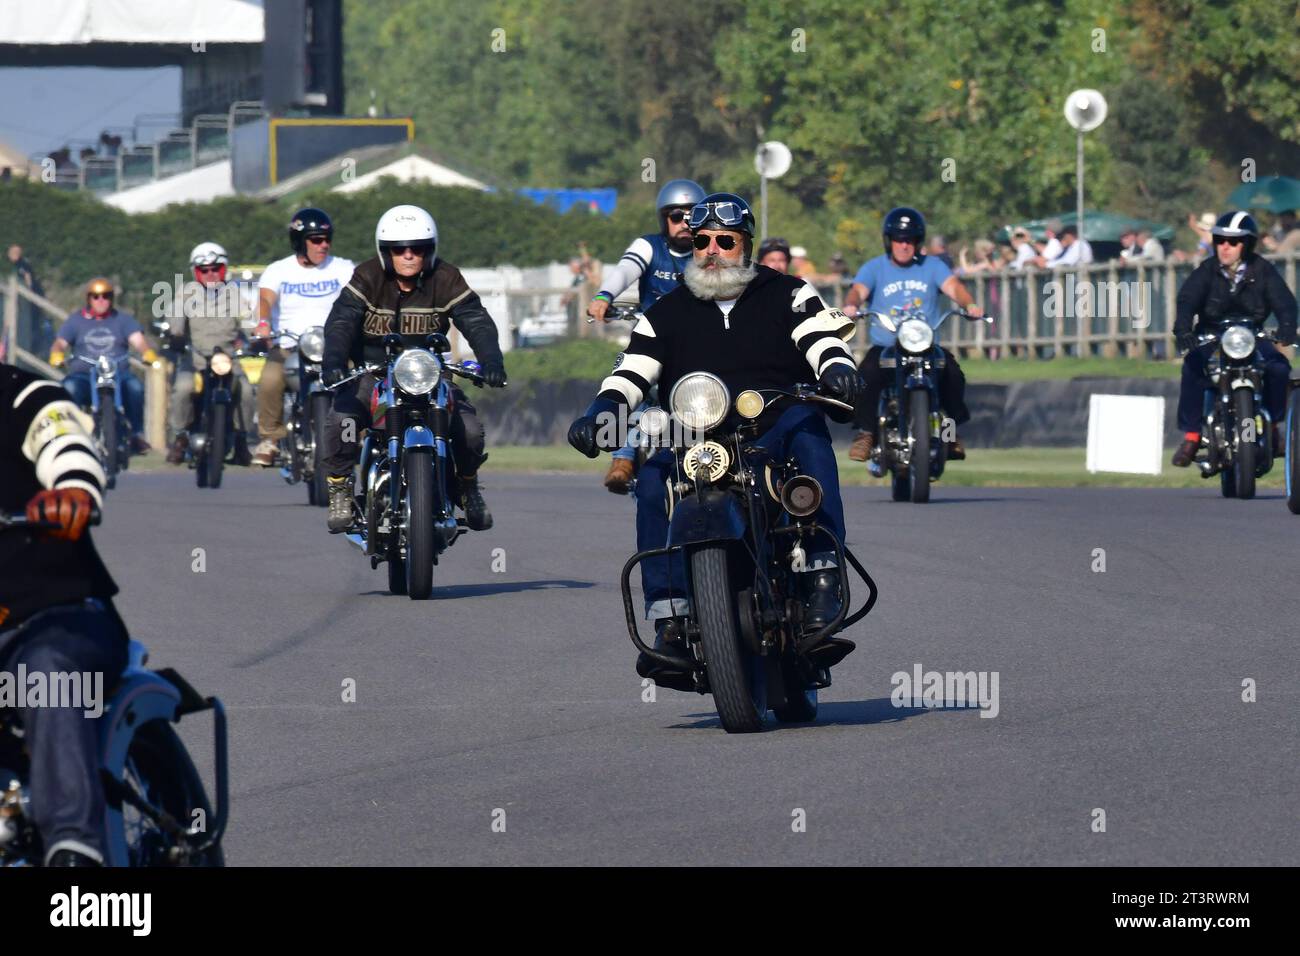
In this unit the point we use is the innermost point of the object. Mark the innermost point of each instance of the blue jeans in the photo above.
(1191, 394)
(629, 450)
(81, 384)
(799, 433)
(67, 794)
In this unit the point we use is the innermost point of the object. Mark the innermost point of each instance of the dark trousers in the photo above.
(799, 433)
(468, 439)
(1191, 394)
(81, 384)
(952, 389)
(67, 795)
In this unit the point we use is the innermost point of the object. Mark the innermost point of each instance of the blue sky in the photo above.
(41, 109)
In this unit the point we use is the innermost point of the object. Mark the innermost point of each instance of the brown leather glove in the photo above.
(70, 508)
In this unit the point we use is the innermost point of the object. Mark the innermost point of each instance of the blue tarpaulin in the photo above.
(595, 200)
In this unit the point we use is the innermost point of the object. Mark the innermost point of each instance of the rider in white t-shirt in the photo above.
(294, 294)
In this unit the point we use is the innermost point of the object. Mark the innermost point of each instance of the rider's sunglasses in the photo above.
(318, 240)
(725, 243)
(207, 269)
(403, 250)
(101, 295)
(727, 213)
(676, 216)
(1227, 240)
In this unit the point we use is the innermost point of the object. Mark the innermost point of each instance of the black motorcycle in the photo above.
(913, 446)
(1236, 431)
(157, 812)
(739, 520)
(112, 430)
(309, 406)
(409, 481)
(218, 436)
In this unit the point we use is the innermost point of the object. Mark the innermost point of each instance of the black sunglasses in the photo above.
(1228, 240)
(725, 243)
(318, 240)
(401, 250)
(676, 216)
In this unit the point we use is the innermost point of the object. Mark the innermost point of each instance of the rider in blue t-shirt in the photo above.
(905, 278)
(655, 262)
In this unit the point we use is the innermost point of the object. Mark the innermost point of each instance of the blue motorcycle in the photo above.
(914, 435)
(157, 812)
(410, 485)
(112, 430)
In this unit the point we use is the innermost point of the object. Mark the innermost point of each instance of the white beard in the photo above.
(725, 282)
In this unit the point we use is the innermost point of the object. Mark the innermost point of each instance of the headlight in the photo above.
(915, 335)
(221, 363)
(1238, 342)
(653, 422)
(312, 344)
(416, 372)
(699, 400)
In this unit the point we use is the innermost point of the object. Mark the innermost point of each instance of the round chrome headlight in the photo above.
(915, 335)
(1238, 342)
(312, 344)
(699, 400)
(416, 372)
(653, 422)
(221, 363)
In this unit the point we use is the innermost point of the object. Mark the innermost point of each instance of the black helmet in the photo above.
(773, 244)
(308, 222)
(722, 211)
(904, 222)
(1237, 225)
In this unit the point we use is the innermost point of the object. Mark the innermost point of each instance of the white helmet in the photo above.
(209, 254)
(406, 226)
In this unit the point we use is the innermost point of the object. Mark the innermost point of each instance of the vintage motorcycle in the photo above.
(409, 482)
(913, 446)
(157, 812)
(739, 519)
(307, 407)
(1236, 431)
(217, 437)
(112, 430)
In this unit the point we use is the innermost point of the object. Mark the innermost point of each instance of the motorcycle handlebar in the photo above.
(10, 522)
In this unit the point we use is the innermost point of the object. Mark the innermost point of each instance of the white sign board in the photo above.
(1126, 433)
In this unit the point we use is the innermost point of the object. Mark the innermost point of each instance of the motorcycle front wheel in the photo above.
(108, 435)
(735, 677)
(419, 525)
(1293, 453)
(1243, 406)
(918, 431)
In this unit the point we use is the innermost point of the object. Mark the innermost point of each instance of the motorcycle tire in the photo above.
(1228, 482)
(1293, 453)
(159, 768)
(1243, 406)
(319, 410)
(214, 453)
(735, 677)
(418, 506)
(800, 702)
(108, 436)
(899, 486)
(918, 431)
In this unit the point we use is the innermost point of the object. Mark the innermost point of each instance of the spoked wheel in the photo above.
(159, 769)
(1243, 406)
(735, 676)
(918, 433)
(319, 409)
(1293, 453)
(419, 525)
(108, 436)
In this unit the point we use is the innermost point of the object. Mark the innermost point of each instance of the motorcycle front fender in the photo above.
(418, 438)
(710, 516)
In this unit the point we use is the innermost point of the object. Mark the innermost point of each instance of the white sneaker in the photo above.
(264, 453)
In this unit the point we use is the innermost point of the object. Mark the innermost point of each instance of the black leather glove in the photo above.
(495, 375)
(844, 382)
(1186, 341)
(585, 431)
(332, 376)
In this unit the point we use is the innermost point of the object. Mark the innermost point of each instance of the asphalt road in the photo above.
(511, 696)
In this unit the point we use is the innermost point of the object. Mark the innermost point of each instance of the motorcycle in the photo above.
(739, 520)
(213, 438)
(112, 430)
(1293, 444)
(410, 487)
(308, 406)
(157, 812)
(1236, 432)
(914, 440)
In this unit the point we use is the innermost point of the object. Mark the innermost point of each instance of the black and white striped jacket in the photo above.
(45, 442)
(778, 333)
